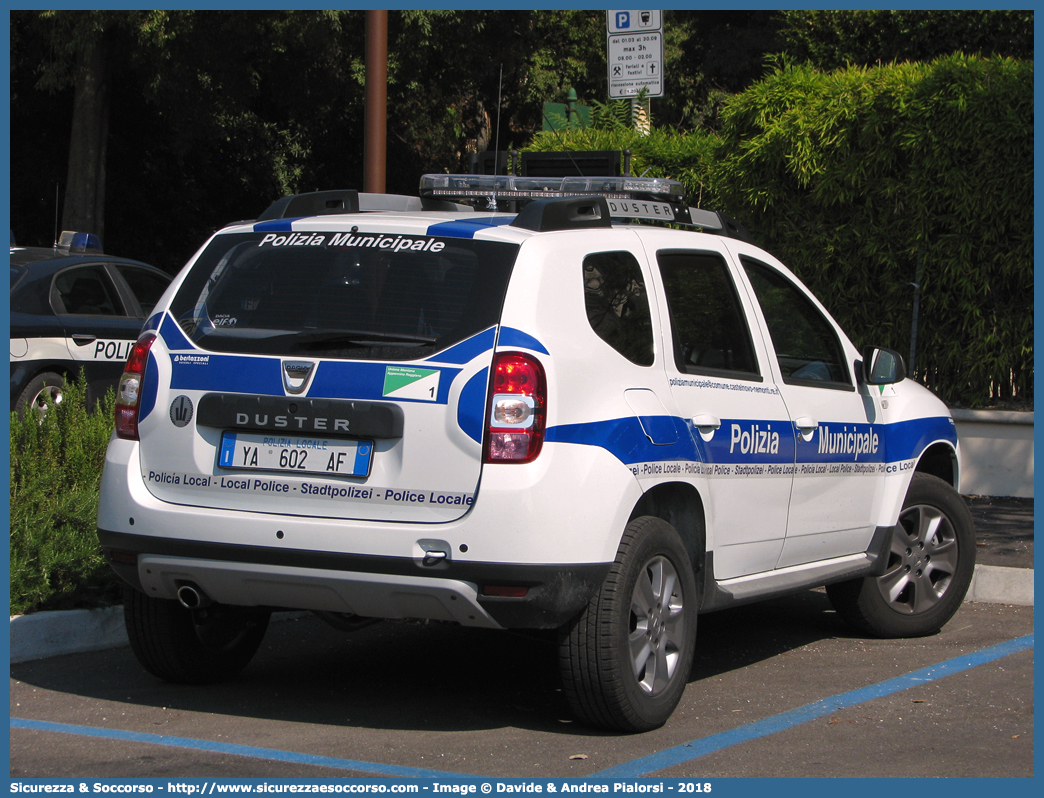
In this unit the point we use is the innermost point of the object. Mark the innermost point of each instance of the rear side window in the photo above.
(147, 286)
(708, 327)
(807, 349)
(342, 295)
(618, 304)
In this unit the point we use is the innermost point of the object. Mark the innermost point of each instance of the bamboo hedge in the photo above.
(868, 182)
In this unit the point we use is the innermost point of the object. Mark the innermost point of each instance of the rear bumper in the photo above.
(366, 585)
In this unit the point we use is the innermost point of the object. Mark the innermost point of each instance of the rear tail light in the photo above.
(517, 409)
(128, 394)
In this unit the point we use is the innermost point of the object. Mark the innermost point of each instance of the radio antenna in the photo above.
(56, 214)
(496, 143)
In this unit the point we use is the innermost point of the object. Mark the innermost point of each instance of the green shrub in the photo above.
(56, 465)
(867, 181)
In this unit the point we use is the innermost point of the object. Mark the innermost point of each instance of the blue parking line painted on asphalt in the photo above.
(795, 717)
(229, 748)
(633, 769)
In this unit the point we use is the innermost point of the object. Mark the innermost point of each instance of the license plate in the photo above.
(295, 454)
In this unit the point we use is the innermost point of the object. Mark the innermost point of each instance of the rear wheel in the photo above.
(626, 658)
(198, 646)
(929, 569)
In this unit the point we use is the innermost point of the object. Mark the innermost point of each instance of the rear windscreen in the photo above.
(353, 295)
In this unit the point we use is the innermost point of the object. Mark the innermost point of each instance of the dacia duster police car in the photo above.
(562, 418)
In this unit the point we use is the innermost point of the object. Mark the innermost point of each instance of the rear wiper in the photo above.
(331, 339)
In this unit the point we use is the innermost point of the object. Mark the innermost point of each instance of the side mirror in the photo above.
(882, 366)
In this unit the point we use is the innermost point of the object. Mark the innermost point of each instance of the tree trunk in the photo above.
(84, 208)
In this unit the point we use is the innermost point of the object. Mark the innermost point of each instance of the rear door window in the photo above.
(618, 304)
(146, 285)
(708, 328)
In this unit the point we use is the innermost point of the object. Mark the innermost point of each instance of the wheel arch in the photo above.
(940, 460)
(681, 506)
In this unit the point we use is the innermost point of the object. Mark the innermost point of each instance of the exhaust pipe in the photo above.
(192, 598)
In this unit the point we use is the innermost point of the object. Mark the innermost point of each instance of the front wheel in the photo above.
(626, 658)
(200, 646)
(930, 565)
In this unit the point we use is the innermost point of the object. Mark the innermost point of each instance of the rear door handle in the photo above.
(705, 422)
(82, 339)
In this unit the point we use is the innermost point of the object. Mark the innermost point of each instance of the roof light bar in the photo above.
(655, 199)
(510, 187)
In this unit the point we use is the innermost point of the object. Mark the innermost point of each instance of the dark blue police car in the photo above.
(74, 308)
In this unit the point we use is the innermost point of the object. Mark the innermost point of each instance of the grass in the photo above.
(56, 562)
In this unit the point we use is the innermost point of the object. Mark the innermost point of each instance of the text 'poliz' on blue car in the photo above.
(74, 309)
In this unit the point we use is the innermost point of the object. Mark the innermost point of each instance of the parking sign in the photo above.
(632, 21)
(634, 53)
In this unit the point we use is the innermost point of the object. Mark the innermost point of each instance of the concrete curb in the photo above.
(995, 584)
(47, 634)
(50, 634)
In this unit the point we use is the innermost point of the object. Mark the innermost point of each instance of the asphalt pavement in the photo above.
(1003, 530)
(1004, 575)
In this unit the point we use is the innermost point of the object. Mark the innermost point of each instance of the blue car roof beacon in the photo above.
(79, 242)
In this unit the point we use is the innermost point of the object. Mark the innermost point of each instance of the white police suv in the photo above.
(563, 417)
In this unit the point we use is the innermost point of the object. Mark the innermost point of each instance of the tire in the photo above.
(43, 389)
(625, 659)
(929, 569)
(200, 646)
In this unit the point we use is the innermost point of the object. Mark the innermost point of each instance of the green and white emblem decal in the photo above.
(407, 382)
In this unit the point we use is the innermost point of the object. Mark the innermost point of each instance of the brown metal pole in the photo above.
(375, 128)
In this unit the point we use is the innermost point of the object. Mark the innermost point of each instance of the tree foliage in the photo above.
(867, 180)
(835, 39)
(214, 114)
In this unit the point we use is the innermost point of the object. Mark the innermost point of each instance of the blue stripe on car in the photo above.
(153, 322)
(626, 440)
(471, 408)
(907, 439)
(510, 337)
(466, 228)
(149, 388)
(354, 380)
(231, 373)
(173, 336)
(276, 225)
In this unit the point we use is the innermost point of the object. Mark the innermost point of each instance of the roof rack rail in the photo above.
(324, 203)
(565, 213)
(315, 203)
